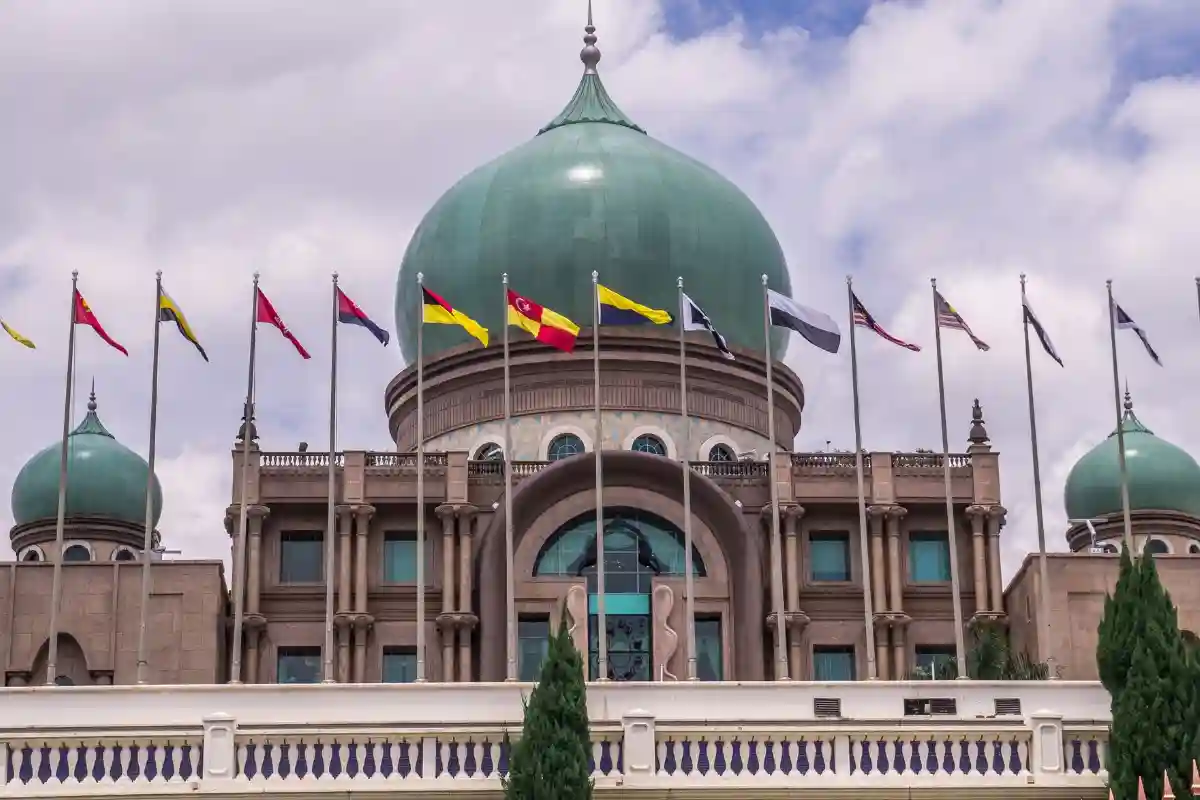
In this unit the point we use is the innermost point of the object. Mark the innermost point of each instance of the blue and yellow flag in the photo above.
(169, 312)
(618, 310)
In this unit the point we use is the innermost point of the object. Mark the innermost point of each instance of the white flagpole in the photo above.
(689, 583)
(510, 601)
(421, 511)
(863, 533)
(1112, 332)
(960, 648)
(239, 577)
(781, 650)
(60, 523)
(601, 616)
(148, 536)
(331, 503)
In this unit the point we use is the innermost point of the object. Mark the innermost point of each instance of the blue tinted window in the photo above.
(635, 542)
(533, 642)
(928, 557)
(833, 663)
(647, 443)
(300, 557)
(830, 556)
(400, 558)
(936, 661)
(563, 446)
(298, 665)
(708, 649)
(399, 665)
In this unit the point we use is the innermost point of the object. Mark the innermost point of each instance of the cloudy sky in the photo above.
(969, 140)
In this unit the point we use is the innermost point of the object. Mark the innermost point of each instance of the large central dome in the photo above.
(591, 192)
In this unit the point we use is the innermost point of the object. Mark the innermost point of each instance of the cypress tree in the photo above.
(1118, 628)
(552, 760)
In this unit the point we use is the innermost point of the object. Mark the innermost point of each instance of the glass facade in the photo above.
(300, 557)
(829, 553)
(928, 557)
(833, 663)
(298, 665)
(399, 665)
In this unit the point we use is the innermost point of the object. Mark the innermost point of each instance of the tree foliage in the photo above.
(552, 759)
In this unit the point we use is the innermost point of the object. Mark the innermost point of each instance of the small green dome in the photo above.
(104, 479)
(1162, 477)
(592, 191)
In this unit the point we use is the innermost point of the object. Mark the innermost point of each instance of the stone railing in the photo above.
(654, 738)
(300, 461)
(927, 463)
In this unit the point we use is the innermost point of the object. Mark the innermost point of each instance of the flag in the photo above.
(1126, 321)
(817, 328)
(16, 336)
(863, 319)
(84, 316)
(947, 317)
(618, 310)
(694, 319)
(266, 313)
(169, 312)
(548, 327)
(436, 311)
(1043, 337)
(351, 314)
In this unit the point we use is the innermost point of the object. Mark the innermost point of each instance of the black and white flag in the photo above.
(1126, 321)
(694, 319)
(1032, 320)
(817, 328)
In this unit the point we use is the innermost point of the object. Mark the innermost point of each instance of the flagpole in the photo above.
(1112, 334)
(421, 486)
(148, 536)
(239, 577)
(510, 602)
(689, 582)
(601, 615)
(960, 657)
(781, 664)
(331, 508)
(1044, 632)
(59, 525)
(864, 545)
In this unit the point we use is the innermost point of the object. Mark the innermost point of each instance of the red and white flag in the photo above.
(266, 313)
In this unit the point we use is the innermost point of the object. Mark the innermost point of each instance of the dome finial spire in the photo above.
(91, 406)
(590, 54)
(1128, 399)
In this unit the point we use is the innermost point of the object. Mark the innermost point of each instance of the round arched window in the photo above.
(1158, 547)
(64, 680)
(32, 555)
(649, 443)
(721, 452)
(564, 445)
(1194, 548)
(124, 554)
(1110, 549)
(77, 553)
(489, 452)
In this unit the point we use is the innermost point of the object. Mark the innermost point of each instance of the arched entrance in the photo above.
(638, 547)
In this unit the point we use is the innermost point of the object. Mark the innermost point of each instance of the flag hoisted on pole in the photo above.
(944, 316)
(165, 310)
(1115, 318)
(421, 510)
(601, 615)
(864, 545)
(1030, 319)
(781, 648)
(510, 601)
(239, 553)
(689, 580)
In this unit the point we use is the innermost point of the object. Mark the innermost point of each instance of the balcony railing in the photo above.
(660, 738)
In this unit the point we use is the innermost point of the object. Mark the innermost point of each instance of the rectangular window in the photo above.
(298, 665)
(533, 642)
(400, 558)
(399, 664)
(936, 661)
(300, 557)
(833, 663)
(830, 556)
(928, 557)
(708, 649)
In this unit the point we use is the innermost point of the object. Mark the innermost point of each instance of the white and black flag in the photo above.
(1126, 321)
(1032, 320)
(694, 319)
(817, 328)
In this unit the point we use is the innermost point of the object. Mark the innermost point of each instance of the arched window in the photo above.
(1109, 549)
(124, 554)
(489, 452)
(32, 555)
(63, 680)
(564, 445)
(721, 452)
(649, 443)
(76, 553)
(1194, 548)
(1158, 547)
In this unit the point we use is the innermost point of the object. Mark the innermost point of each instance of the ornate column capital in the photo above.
(977, 511)
(257, 511)
(897, 512)
(877, 511)
(364, 512)
(791, 511)
(446, 511)
(467, 510)
(999, 513)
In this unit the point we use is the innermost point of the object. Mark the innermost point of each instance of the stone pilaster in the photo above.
(978, 515)
(253, 622)
(996, 516)
(363, 621)
(792, 621)
(468, 619)
(896, 616)
(791, 524)
(343, 621)
(877, 588)
(445, 621)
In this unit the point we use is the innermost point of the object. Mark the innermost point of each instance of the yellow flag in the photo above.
(16, 336)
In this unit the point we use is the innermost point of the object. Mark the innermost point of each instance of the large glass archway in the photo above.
(638, 546)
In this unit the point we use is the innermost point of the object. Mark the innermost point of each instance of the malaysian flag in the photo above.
(947, 317)
(863, 319)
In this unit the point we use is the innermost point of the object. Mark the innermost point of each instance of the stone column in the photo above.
(344, 619)
(253, 622)
(896, 605)
(879, 600)
(446, 620)
(465, 590)
(362, 619)
(977, 514)
(792, 514)
(996, 515)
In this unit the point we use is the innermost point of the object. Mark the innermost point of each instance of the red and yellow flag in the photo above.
(84, 316)
(436, 311)
(548, 327)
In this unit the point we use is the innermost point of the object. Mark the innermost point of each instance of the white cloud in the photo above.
(967, 140)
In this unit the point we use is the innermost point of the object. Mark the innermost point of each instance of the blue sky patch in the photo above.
(823, 19)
